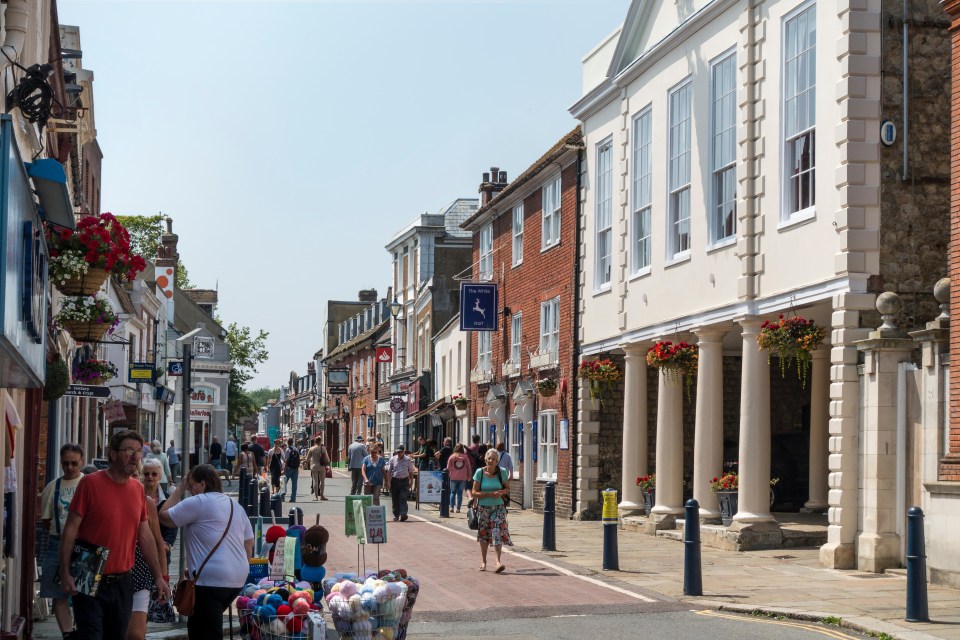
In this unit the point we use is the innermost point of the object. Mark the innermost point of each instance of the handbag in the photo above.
(473, 518)
(327, 472)
(184, 598)
(160, 610)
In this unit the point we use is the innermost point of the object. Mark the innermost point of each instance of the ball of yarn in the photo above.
(267, 612)
(348, 589)
(277, 627)
(294, 623)
(248, 589)
(274, 600)
(368, 602)
(300, 606)
(284, 610)
(274, 533)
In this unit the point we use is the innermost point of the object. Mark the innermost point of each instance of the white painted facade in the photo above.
(451, 353)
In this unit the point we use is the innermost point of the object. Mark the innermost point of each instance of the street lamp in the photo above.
(395, 309)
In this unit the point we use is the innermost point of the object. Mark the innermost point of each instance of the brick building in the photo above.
(524, 239)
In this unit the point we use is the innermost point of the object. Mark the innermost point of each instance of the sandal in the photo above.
(500, 568)
(482, 567)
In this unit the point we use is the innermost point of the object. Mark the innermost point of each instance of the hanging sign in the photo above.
(384, 354)
(88, 391)
(175, 368)
(113, 411)
(141, 372)
(397, 404)
(203, 348)
(478, 306)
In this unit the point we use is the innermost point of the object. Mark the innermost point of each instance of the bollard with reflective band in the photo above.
(445, 494)
(917, 610)
(549, 517)
(692, 577)
(611, 556)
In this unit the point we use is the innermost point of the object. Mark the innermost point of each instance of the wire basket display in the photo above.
(279, 611)
(378, 608)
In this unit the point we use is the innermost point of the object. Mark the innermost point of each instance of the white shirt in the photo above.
(204, 518)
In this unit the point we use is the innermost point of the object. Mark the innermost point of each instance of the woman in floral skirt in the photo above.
(490, 484)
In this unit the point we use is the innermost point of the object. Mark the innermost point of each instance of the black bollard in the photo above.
(445, 494)
(692, 577)
(295, 516)
(242, 490)
(549, 517)
(253, 498)
(917, 610)
(611, 520)
(265, 503)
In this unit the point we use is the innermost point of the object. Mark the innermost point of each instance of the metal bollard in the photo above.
(266, 503)
(253, 498)
(445, 494)
(295, 516)
(549, 517)
(611, 556)
(242, 490)
(917, 610)
(692, 577)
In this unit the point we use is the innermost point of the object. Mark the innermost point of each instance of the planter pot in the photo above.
(547, 391)
(728, 506)
(461, 405)
(84, 331)
(86, 284)
(649, 499)
(95, 382)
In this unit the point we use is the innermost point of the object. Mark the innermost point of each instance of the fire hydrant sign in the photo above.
(376, 521)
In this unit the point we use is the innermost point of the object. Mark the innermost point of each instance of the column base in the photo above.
(660, 522)
(745, 517)
(878, 551)
(751, 536)
(838, 555)
(628, 508)
(815, 506)
(710, 516)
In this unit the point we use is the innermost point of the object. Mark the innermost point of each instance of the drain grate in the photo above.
(784, 557)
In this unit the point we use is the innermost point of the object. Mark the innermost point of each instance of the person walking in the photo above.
(258, 454)
(460, 471)
(275, 464)
(54, 503)
(173, 459)
(291, 468)
(319, 460)
(219, 542)
(443, 454)
(230, 452)
(506, 461)
(143, 579)
(397, 477)
(246, 461)
(216, 452)
(156, 453)
(356, 452)
(490, 485)
(109, 510)
(372, 471)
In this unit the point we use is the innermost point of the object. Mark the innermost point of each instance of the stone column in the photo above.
(754, 457)
(708, 433)
(669, 464)
(634, 426)
(878, 545)
(819, 427)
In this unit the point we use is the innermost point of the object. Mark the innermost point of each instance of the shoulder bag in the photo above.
(185, 595)
(473, 518)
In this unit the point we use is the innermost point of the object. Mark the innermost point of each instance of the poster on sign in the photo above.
(278, 564)
(360, 522)
(431, 482)
(349, 517)
(376, 521)
(113, 411)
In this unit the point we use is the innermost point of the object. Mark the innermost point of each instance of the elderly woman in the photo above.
(143, 579)
(156, 453)
(219, 541)
(490, 484)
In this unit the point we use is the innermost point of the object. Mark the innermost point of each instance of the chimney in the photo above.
(493, 183)
(367, 295)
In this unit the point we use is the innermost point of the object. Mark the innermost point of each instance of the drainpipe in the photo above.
(906, 89)
(15, 24)
(903, 368)
(574, 388)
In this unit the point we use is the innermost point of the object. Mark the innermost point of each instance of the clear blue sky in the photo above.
(289, 141)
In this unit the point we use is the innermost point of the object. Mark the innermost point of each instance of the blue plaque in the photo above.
(478, 306)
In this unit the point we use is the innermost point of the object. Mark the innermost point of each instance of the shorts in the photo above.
(141, 600)
(49, 588)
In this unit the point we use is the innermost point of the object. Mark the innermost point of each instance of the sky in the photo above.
(289, 141)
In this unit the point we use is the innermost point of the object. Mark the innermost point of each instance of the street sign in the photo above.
(175, 368)
(478, 306)
(384, 354)
(88, 391)
(203, 347)
(397, 404)
(141, 372)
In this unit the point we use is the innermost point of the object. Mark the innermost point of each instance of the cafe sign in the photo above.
(203, 394)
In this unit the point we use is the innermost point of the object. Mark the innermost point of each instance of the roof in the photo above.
(350, 345)
(124, 297)
(574, 139)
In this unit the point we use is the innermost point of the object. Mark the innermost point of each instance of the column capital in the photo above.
(709, 334)
(750, 324)
(635, 348)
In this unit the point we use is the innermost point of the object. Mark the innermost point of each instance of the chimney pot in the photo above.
(494, 171)
(503, 177)
(486, 177)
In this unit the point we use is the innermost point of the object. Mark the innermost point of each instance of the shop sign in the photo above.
(141, 372)
(203, 348)
(203, 394)
(200, 413)
(384, 354)
(175, 368)
(88, 391)
(113, 411)
(478, 306)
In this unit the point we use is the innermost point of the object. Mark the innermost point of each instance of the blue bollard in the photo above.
(445, 494)
(692, 577)
(611, 556)
(917, 610)
(549, 517)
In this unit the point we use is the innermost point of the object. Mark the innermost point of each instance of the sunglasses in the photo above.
(151, 475)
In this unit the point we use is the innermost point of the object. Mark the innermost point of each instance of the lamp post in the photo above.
(395, 309)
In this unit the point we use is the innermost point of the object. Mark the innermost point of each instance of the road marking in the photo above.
(832, 633)
(549, 565)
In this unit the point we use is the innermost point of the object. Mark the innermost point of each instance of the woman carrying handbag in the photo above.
(491, 490)
(219, 541)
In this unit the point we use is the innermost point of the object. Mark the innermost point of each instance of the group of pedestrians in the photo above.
(125, 509)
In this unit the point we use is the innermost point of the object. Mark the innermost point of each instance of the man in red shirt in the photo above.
(109, 510)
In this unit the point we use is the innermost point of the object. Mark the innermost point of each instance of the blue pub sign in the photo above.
(478, 306)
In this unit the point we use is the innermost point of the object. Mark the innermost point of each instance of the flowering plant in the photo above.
(600, 373)
(460, 400)
(90, 309)
(100, 241)
(647, 483)
(792, 339)
(675, 360)
(94, 369)
(730, 481)
(546, 383)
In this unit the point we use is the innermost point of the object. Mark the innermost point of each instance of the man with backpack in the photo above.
(291, 464)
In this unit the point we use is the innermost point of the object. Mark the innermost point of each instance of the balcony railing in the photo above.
(480, 376)
(510, 368)
(545, 360)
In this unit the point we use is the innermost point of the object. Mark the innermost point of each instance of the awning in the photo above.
(439, 404)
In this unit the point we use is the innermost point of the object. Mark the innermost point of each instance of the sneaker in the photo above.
(395, 518)
(403, 518)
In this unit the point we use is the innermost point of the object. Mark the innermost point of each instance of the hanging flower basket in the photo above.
(791, 339)
(100, 242)
(86, 318)
(676, 361)
(547, 387)
(56, 381)
(94, 372)
(600, 374)
(460, 401)
(86, 283)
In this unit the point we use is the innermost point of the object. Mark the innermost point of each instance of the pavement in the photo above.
(785, 582)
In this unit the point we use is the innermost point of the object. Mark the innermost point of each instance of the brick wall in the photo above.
(540, 277)
(950, 466)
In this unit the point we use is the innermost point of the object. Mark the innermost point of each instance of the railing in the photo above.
(544, 360)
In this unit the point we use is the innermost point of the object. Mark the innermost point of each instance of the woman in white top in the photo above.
(156, 453)
(206, 517)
